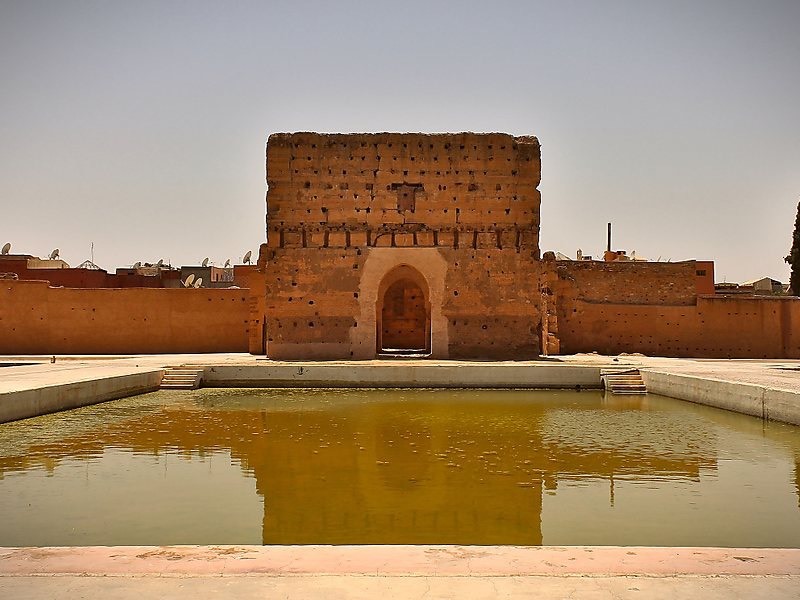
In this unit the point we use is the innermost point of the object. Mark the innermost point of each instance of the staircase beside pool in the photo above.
(623, 381)
(182, 378)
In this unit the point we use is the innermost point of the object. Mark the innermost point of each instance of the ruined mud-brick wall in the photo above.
(628, 282)
(493, 304)
(582, 298)
(653, 309)
(38, 319)
(344, 210)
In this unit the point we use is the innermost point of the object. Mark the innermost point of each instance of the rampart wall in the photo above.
(717, 327)
(38, 319)
(651, 308)
(625, 282)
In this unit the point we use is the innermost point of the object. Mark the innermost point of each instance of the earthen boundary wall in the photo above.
(38, 319)
(712, 327)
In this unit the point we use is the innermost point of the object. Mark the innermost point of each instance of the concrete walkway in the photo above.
(767, 389)
(398, 572)
(777, 373)
(781, 374)
(41, 388)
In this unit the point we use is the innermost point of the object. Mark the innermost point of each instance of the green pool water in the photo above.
(234, 466)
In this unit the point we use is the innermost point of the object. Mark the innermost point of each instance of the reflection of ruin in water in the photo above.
(339, 467)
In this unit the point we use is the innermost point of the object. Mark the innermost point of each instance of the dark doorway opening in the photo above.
(404, 317)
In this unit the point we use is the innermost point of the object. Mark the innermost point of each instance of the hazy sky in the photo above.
(140, 126)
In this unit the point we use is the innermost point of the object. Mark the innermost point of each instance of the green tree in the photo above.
(794, 257)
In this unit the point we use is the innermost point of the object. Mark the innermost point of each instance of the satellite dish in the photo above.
(246, 259)
(136, 265)
(160, 262)
(205, 262)
(227, 263)
(54, 254)
(6, 248)
(189, 280)
(199, 282)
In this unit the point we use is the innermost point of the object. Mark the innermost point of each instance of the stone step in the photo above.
(628, 381)
(181, 378)
(186, 373)
(629, 388)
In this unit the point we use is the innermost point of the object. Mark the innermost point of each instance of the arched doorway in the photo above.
(403, 314)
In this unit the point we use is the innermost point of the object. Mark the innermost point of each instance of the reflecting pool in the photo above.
(236, 466)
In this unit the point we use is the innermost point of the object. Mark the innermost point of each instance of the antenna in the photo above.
(199, 282)
(205, 262)
(54, 254)
(6, 248)
(246, 259)
(227, 263)
(189, 280)
(160, 262)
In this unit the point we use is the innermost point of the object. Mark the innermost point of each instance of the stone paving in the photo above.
(398, 572)
(369, 587)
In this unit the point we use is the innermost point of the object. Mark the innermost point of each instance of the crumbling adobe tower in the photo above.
(400, 243)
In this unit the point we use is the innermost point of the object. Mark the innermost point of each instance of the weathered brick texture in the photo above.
(653, 309)
(628, 282)
(459, 212)
(394, 189)
(38, 319)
